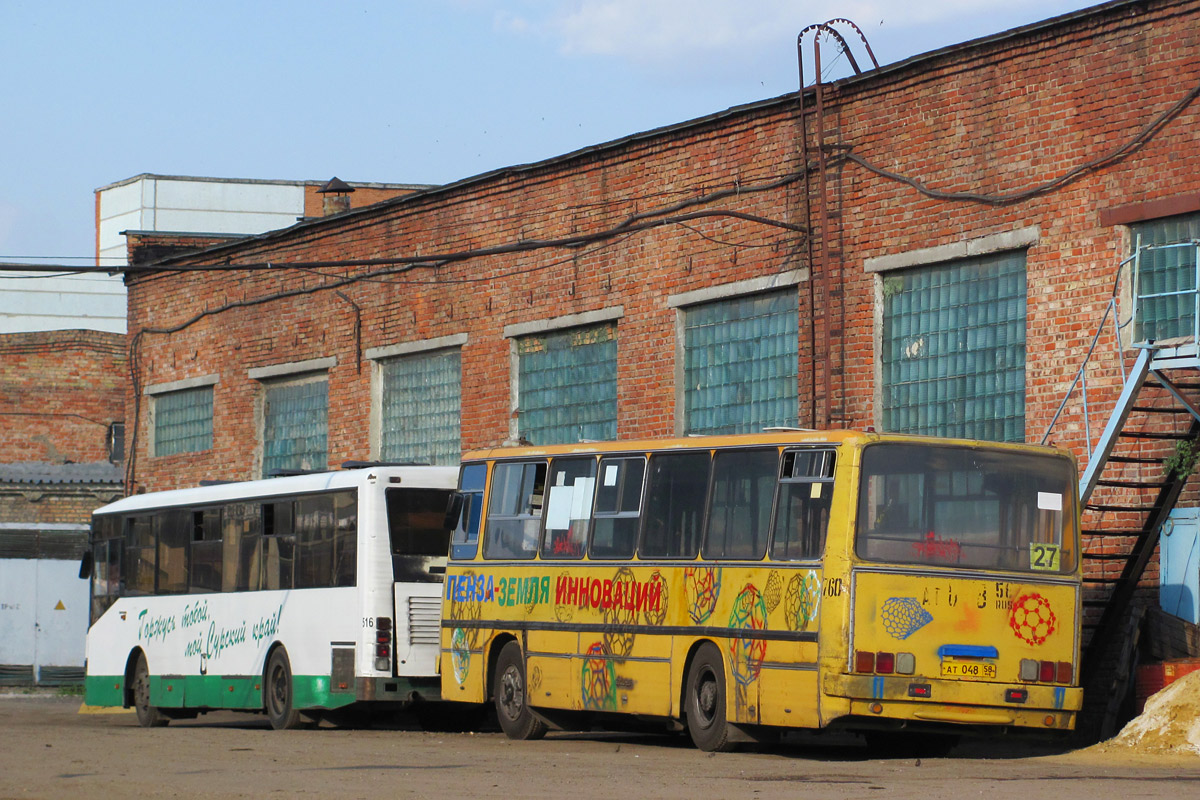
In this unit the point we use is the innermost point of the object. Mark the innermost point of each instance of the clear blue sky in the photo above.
(405, 91)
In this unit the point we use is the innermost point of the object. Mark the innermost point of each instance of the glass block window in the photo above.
(740, 363)
(421, 408)
(183, 421)
(295, 425)
(953, 350)
(1166, 278)
(567, 385)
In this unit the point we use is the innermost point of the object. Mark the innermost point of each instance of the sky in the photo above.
(396, 91)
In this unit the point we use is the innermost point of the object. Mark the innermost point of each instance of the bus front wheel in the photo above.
(278, 689)
(705, 701)
(148, 716)
(512, 699)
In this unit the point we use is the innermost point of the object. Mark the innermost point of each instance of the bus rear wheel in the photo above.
(704, 702)
(512, 699)
(279, 696)
(148, 716)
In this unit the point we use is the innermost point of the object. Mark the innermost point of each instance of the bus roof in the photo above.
(777, 438)
(424, 477)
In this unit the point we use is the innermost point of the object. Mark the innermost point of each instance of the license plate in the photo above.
(969, 670)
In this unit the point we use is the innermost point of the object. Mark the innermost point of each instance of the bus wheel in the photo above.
(705, 701)
(148, 716)
(278, 690)
(512, 702)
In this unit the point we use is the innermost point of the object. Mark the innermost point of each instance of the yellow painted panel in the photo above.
(792, 695)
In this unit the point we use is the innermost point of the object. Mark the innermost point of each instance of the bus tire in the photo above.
(704, 703)
(512, 697)
(148, 716)
(278, 693)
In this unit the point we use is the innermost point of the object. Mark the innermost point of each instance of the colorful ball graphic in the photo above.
(703, 586)
(749, 613)
(599, 679)
(1032, 619)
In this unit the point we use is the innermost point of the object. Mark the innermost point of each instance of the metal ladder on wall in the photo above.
(1135, 474)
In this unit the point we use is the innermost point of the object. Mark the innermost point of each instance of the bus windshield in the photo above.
(966, 507)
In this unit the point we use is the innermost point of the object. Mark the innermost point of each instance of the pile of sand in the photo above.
(1169, 724)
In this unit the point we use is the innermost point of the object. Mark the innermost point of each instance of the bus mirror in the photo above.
(85, 565)
(454, 509)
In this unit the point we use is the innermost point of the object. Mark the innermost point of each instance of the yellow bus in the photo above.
(736, 585)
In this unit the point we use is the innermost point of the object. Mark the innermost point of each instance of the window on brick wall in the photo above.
(1166, 280)
(953, 350)
(296, 424)
(421, 408)
(567, 385)
(740, 363)
(183, 421)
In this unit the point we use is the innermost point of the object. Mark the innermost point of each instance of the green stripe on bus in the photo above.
(214, 691)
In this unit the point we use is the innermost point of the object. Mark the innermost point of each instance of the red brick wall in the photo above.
(59, 392)
(996, 118)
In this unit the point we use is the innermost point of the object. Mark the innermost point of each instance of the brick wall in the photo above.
(707, 203)
(59, 393)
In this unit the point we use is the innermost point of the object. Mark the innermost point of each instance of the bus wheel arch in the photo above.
(279, 693)
(493, 654)
(511, 695)
(705, 698)
(137, 691)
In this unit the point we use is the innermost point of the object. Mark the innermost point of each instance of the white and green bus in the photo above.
(298, 596)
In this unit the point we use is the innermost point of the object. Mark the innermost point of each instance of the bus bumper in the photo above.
(976, 703)
(397, 690)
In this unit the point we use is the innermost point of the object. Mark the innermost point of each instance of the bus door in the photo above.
(420, 543)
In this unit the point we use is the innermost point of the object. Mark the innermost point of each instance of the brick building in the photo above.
(62, 410)
(925, 247)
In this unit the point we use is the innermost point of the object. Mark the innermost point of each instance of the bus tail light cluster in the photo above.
(383, 643)
(1046, 671)
(884, 663)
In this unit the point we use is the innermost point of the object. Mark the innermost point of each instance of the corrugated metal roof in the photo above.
(34, 472)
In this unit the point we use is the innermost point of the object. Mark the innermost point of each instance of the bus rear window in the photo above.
(420, 540)
(966, 507)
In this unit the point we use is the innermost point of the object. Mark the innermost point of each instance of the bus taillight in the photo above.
(1046, 671)
(383, 643)
(883, 663)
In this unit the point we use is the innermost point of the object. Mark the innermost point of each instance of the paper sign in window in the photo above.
(610, 475)
(1050, 501)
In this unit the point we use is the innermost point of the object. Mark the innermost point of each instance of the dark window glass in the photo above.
(675, 497)
(569, 507)
(174, 532)
(314, 542)
(966, 507)
(739, 515)
(345, 538)
(618, 507)
(416, 519)
(241, 567)
(515, 510)
(207, 550)
(139, 555)
(802, 515)
(465, 539)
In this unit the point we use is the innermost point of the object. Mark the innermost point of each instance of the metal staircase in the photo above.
(1135, 474)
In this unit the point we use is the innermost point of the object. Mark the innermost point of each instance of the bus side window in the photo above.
(802, 511)
(739, 514)
(278, 545)
(241, 567)
(515, 510)
(569, 507)
(618, 507)
(139, 555)
(207, 547)
(675, 498)
(465, 539)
